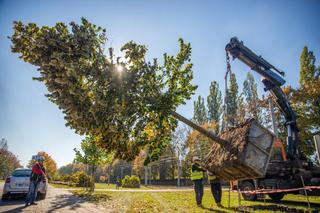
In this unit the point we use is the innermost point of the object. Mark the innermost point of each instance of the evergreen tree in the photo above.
(241, 109)
(251, 97)
(214, 102)
(306, 101)
(199, 111)
(232, 96)
(307, 66)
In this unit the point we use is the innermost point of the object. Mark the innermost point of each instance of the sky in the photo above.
(277, 30)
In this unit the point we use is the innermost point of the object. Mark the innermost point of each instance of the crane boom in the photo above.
(272, 80)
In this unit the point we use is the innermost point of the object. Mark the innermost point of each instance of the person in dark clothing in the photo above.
(216, 190)
(197, 177)
(37, 174)
(118, 183)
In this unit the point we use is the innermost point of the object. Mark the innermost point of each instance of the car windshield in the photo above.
(22, 173)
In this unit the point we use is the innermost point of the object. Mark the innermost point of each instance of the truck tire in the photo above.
(276, 196)
(247, 186)
(5, 197)
(42, 196)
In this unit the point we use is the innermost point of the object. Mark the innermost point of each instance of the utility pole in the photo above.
(150, 175)
(121, 169)
(179, 184)
(109, 175)
(145, 176)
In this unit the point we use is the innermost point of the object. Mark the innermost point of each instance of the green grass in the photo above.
(113, 186)
(185, 202)
(101, 186)
(63, 186)
(1, 181)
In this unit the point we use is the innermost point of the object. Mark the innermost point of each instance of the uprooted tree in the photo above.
(125, 111)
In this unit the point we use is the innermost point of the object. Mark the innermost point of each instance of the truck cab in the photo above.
(281, 174)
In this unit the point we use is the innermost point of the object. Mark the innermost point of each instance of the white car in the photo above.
(18, 184)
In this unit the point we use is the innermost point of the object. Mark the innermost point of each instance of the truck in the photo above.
(285, 168)
(288, 168)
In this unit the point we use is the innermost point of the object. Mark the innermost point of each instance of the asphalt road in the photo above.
(57, 200)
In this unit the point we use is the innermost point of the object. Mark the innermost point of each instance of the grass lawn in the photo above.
(185, 202)
(55, 185)
(100, 186)
(113, 186)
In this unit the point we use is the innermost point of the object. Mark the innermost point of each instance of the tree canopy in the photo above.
(231, 102)
(91, 154)
(125, 103)
(199, 111)
(214, 102)
(8, 161)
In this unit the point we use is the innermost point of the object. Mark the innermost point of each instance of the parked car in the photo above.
(18, 184)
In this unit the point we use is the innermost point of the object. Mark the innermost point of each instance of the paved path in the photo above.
(57, 200)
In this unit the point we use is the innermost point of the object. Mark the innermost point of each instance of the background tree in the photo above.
(137, 164)
(8, 161)
(66, 169)
(307, 66)
(199, 145)
(306, 101)
(251, 96)
(232, 106)
(71, 168)
(49, 163)
(241, 109)
(214, 102)
(126, 105)
(199, 111)
(92, 155)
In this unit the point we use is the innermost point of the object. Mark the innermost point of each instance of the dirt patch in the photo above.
(229, 161)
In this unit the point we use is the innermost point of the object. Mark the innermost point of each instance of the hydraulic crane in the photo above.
(295, 171)
(272, 80)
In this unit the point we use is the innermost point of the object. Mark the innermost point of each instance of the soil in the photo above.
(227, 161)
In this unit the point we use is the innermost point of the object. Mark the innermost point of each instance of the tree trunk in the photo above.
(93, 179)
(200, 129)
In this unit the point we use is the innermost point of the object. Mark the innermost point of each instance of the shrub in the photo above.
(130, 182)
(65, 178)
(77, 179)
(80, 179)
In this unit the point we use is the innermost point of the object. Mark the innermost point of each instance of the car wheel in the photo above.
(248, 186)
(42, 196)
(276, 196)
(5, 197)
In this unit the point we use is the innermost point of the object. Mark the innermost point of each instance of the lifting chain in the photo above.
(228, 66)
(228, 72)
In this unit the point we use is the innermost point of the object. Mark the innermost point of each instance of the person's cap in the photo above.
(37, 158)
(195, 158)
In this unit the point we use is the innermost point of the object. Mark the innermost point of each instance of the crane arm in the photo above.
(272, 80)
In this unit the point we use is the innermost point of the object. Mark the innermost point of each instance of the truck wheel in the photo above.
(276, 196)
(42, 196)
(5, 197)
(248, 186)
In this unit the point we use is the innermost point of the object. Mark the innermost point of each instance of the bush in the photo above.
(77, 179)
(81, 179)
(130, 182)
